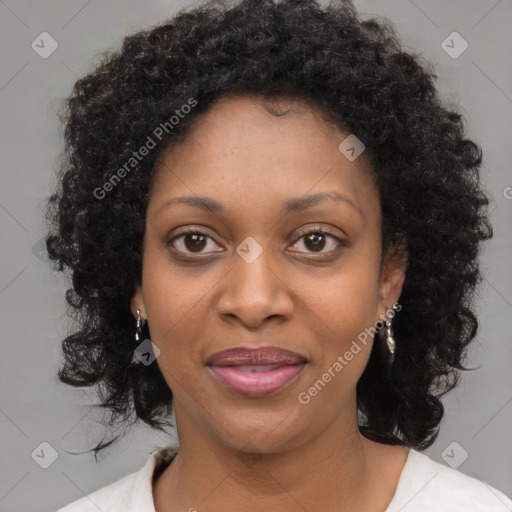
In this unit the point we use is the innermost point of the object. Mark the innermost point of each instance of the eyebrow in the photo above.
(295, 204)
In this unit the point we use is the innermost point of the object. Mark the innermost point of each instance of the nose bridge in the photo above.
(253, 269)
(253, 290)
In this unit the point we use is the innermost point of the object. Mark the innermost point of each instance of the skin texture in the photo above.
(305, 456)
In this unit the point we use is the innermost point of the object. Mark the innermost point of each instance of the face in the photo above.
(306, 279)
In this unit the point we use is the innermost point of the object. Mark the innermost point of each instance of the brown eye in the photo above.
(191, 242)
(194, 242)
(316, 240)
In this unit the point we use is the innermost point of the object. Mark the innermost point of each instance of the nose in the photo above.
(253, 292)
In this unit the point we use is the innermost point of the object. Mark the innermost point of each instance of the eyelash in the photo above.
(302, 234)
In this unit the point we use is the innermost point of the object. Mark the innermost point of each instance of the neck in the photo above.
(333, 471)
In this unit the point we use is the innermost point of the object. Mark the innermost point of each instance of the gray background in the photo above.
(36, 408)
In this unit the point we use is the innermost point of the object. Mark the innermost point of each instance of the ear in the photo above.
(392, 277)
(137, 302)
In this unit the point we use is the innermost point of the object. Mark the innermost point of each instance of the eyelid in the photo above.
(318, 229)
(193, 230)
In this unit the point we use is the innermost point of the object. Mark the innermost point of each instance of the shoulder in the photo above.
(133, 492)
(427, 486)
(103, 499)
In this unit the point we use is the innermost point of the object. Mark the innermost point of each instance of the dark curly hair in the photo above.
(357, 74)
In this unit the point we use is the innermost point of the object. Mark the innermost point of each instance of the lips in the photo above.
(240, 356)
(256, 372)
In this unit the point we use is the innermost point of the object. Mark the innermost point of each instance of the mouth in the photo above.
(256, 372)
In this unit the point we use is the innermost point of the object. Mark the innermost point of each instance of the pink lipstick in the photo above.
(256, 372)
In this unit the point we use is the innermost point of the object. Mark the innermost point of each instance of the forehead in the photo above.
(247, 150)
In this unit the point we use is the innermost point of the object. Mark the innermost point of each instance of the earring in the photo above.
(390, 340)
(138, 329)
(138, 333)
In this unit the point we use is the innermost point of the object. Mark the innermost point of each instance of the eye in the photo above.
(192, 241)
(316, 239)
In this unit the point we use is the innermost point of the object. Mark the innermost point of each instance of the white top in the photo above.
(424, 486)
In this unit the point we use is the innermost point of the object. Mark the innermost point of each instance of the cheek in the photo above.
(340, 325)
(339, 314)
(177, 304)
(344, 298)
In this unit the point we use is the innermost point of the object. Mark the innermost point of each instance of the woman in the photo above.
(272, 223)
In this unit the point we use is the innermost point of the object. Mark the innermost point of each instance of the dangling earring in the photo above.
(138, 329)
(138, 333)
(390, 340)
